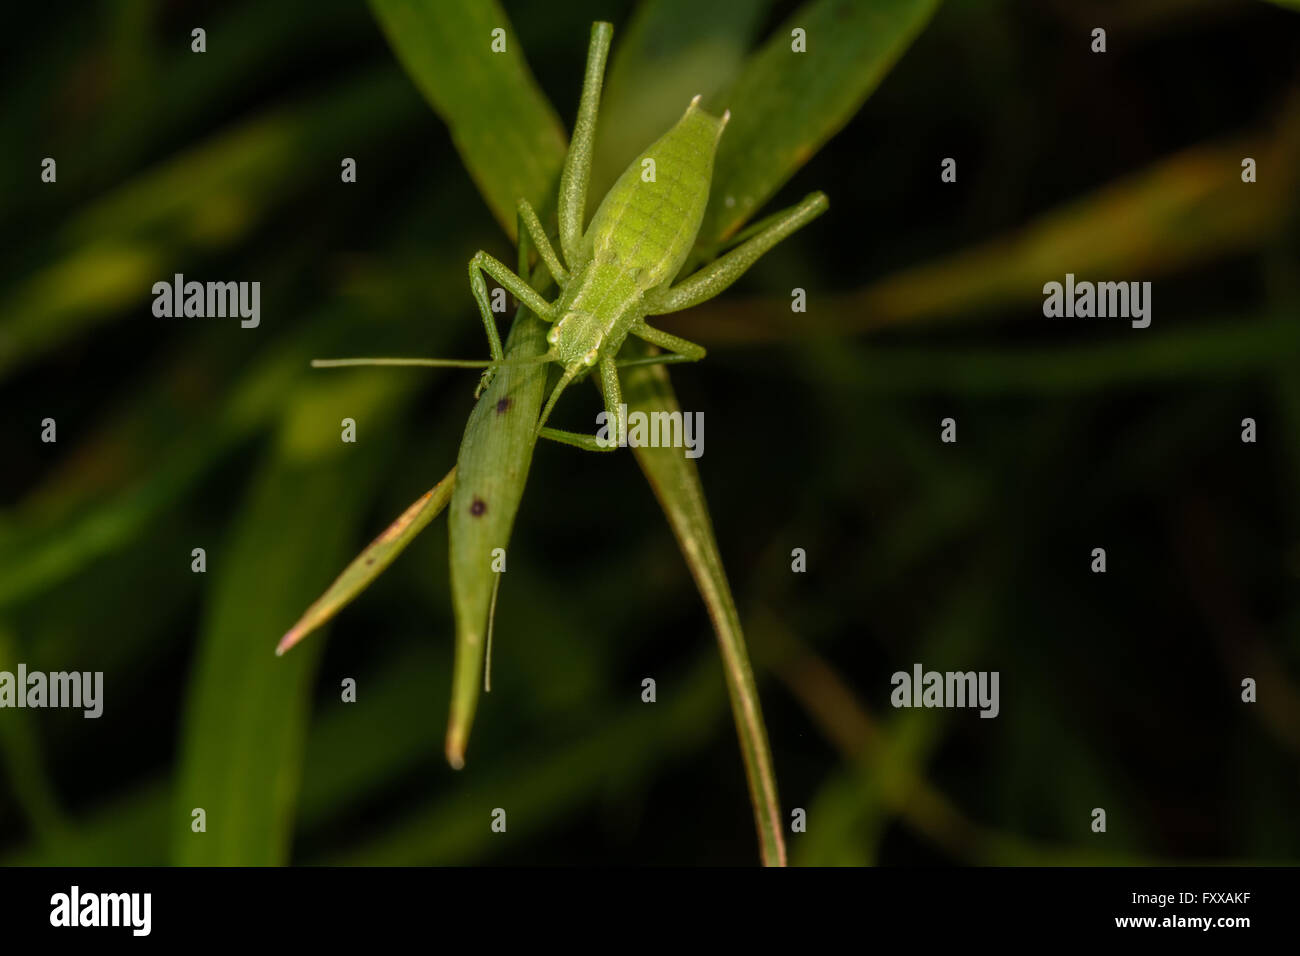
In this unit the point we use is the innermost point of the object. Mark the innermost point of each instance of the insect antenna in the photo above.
(434, 363)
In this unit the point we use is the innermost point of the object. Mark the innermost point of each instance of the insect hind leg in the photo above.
(577, 162)
(717, 275)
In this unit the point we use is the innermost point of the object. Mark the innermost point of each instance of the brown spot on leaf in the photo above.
(477, 507)
(502, 406)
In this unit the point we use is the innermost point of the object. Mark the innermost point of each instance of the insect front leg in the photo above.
(717, 275)
(615, 415)
(521, 290)
(529, 221)
(577, 162)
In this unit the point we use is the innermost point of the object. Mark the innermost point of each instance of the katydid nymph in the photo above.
(619, 270)
(612, 273)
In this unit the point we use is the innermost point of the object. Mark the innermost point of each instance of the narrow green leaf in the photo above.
(246, 713)
(785, 105)
(508, 135)
(676, 483)
(492, 469)
(513, 144)
(790, 103)
(372, 561)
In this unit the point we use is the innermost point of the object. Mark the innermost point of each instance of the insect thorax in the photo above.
(595, 312)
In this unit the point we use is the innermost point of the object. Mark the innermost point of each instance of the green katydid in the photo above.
(620, 270)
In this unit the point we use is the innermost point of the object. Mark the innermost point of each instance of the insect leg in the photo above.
(481, 263)
(521, 290)
(717, 275)
(615, 410)
(667, 358)
(615, 415)
(683, 350)
(576, 439)
(577, 162)
(533, 225)
(565, 378)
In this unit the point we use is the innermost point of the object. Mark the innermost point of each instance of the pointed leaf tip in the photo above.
(371, 562)
(456, 752)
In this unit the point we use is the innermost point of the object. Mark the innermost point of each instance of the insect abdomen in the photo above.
(649, 219)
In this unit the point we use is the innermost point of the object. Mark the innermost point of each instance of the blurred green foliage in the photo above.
(1119, 691)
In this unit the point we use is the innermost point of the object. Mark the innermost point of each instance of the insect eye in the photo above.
(553, 336)
(590, 358)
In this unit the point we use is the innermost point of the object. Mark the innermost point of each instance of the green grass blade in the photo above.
(513, 144)
(372, 561)
(506, 131)
(492, 469)
(676, 483)
(246, 719)
(785, 105)
(790, 104)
